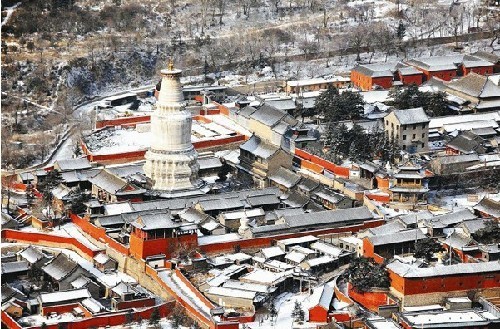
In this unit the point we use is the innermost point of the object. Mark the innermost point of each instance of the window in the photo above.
(404, 147)
(404, 137)
(423, 145)
(404, 127)
(414, 127)
(414, 136)
(423, 135)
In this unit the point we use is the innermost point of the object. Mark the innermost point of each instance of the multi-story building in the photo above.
(409, 128)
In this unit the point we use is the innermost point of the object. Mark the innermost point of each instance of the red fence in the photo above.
(42, 238)
(330, 166)
(370, 299)
(267, 241)
(98, 233)
(125, 121)
(190, 286)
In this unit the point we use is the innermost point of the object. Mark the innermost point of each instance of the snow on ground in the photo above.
(181, 290)
(71, 230)
(284, 304)
(37, 320)
(10, 10)
(464, 200)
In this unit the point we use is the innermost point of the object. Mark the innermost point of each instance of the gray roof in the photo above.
(127, 170)
(450, 159)
(307, 184)
(391, 227)
(437, 63)
(489, 206)
(450, 219)
(285, 177)
(411, 219)
(31, 254)
(268, 115)
(281, 104)
(296, 200)
(73, 164)
(221, 204)
(259, 148)
(409, 271)
(328, 217)
(409, 70)
(108, 181)
(377, 70)
(247, 111)
(155, 221)
(466, 143)
(264, 199)
(209, 163)
(15, 267)
(397, 237)
(473, 225)
(411, 116)
(60, 267)
(490, 57)
(329, 195)
(475, 85)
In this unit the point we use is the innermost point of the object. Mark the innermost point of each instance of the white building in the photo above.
(172, 162)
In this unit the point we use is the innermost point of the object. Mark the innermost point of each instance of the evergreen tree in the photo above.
(155, 317)
(490, 233)
(30, 194)
(359, 148)
(365, 274)
(272, 311)
(401, 30)
(349, 105)
(51, 181)
(43, 326)
(78, 202)
(436, 104)
(425, 248)
(298, 313)
(177, 317)
(129, 317)
(339, 143)
(324, 102)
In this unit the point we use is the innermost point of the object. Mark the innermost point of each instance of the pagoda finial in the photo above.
(170, 64)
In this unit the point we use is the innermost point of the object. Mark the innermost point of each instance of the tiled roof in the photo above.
(411, 116)
(155, 221)
(398, 237)
(409, 271)
(259, 148)
(285, 177)
(108, 181)
(60, 267)
(73, 164)
(268, 115)
(377, 70)
(488, 206)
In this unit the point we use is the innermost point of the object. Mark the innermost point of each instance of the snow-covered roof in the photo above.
(234, 284)
(14, 267)
(457, 158)
(322, 296)
(264, 277)
(271, 252)
(315, 81)
(285, 177)
(231, 292)
(101, 258)
(220, 204)
(257, 147)
(299, 240)
(92, 305)
(31, 254)
(80, 282)
(60, 267)
(295, 256)
(210, 225)
(439, 122)
(411, 116)
(209, 239)
(117, 208)
(73, 164)
(489, 206)
(155, 221)
(64, 296)
(377, 70)
(409, 271)
(320, 261)
(475, 85)
(327, 249)
(438, 319)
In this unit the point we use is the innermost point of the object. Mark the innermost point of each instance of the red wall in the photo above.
(416, 79)
(144, 248)
(366, 82)
(484, 70)
(337, 170)
(370, 299)
(98, 233)
(136, 303)
(369, 252)
(40, 238)
(412, 286)
(318, 314)
(267, 241)
(129, 121)
(445, 75)
(384, 82)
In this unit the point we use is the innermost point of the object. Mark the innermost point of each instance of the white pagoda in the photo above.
(171, 161)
